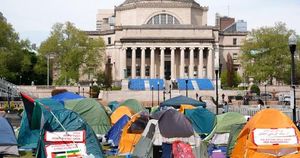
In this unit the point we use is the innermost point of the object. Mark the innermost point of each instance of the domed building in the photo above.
(167, 39)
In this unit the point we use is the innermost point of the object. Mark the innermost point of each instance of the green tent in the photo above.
(203, 120)
(71, 122)
(29, 134)
(92, 112)
(234, 133)
(133, 104)
(225, 121)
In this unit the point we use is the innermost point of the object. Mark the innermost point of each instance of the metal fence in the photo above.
(251, 111)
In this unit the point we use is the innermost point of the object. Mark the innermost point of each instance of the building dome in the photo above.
(131, 3)
(135, 1)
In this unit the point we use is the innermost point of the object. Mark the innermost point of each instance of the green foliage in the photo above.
(236, 80)
(95, 90)
(104, 80)
(17, 58)
(255, 89)
(266, 53)
(115, 88)
(72, 51)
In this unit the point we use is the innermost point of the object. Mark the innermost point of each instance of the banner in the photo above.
(277, 136)
(70, 136)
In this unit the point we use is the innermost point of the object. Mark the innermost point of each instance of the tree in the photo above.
(17, 58)
(73, 51)
(266, 53)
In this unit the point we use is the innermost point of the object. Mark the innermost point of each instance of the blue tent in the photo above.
(113, 105)
(8, 141)
(176, 102)
(61, 97)
(114, 134)
(28, 137)
(203, 121)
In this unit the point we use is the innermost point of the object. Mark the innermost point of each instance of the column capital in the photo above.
(152, 48)
(192, 48)
(133, 48)
(124, 48)
(182, 48)
(201, 48)
(162, 48)
(173, 48)
(143, 48)
(210, 48)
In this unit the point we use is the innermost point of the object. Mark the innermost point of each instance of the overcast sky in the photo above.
(33, 19)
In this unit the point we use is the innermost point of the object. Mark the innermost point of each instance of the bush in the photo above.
(95, 90)
(57, 91)
(237, 79)
(116, 88)
(255, 89)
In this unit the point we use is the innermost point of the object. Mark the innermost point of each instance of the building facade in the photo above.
(167, 39)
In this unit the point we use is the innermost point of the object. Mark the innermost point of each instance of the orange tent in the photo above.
(184, 107)
(119, 112)
(129, 139)
(268, 134)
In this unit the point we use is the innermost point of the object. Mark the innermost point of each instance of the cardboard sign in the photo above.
(278, 136)
(74, 150)
(70, 136)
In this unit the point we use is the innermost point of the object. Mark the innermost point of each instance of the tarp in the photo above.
(8, 141)
(61, 97)
(120, 112)
(203, 120)
(185, 107)
(173, 124)
(129, 140)
(27, 137)
(114, 134)
(71, 121)
(92, 112)
(272, 123)
(133, 104)
(113, 105)
(179, 100)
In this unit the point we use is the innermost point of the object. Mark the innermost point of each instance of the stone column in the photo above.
(173, 73)
(152, 75)
(200, 65)
(133, 63)
(209, 67)
(143, 63)
(182, 62)
(191, 66)
(162, 63)
(123, 59)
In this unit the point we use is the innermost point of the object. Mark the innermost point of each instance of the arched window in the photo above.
(163, 19)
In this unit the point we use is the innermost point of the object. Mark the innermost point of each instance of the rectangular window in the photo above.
(234, 41)
(147, 70)
(109, 40)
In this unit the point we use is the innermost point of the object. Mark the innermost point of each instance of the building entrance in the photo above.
(167, 70)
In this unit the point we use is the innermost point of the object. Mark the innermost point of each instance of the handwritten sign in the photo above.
(70, 136)
(66, 150)
(278, 136)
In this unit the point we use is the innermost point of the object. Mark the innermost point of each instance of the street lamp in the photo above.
(186, 87)
(49, 56)
(152, 94)
(78, 88)
(265, 94)
(164, 94)
(292, 45)
(217, 66)
(158, 93)
(170, 91)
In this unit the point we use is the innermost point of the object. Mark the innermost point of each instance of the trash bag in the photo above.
(182, 150)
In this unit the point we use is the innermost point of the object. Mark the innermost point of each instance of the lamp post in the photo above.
(78, 89)
(265, 94)
(186, 87)
(152, 94)
(164, 94)
(158, 93)
(49, 56)
(217, 85)
(292, 45)
(170, 91)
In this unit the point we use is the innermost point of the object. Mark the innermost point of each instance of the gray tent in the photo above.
(173, 124)
(8, 141)
(152, 137)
